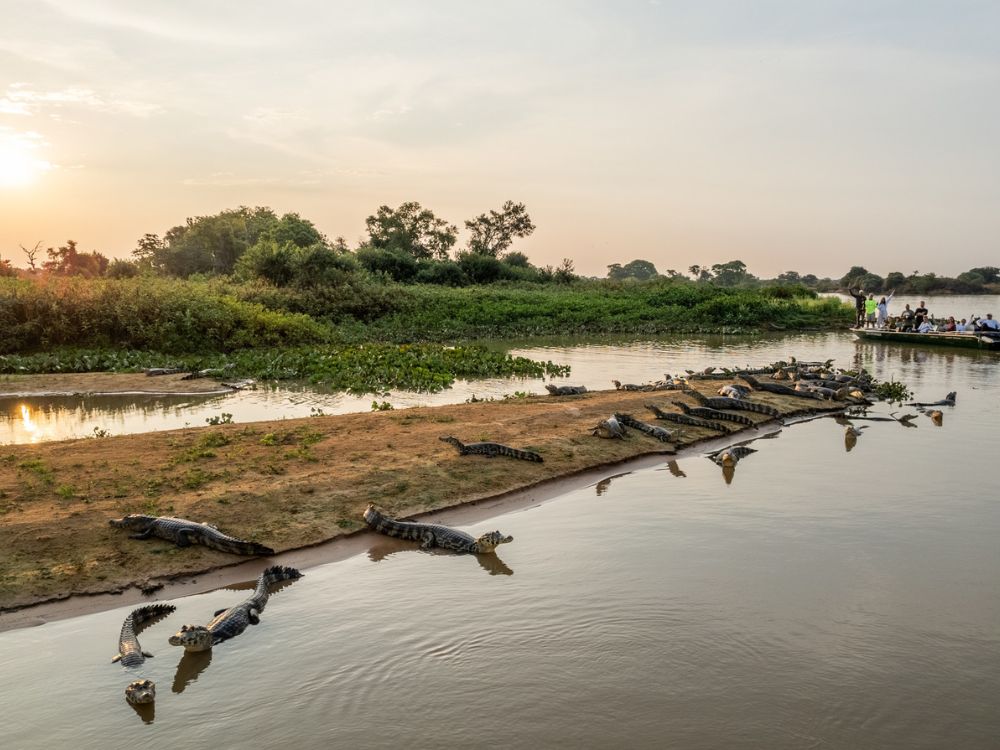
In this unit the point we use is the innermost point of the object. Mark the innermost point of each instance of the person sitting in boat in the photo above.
(989, 324)
(870, 307)
(906, 319)
(882, 310)
(950, 326)
(925, 327)
(960, 326)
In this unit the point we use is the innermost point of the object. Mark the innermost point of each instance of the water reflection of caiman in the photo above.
(490, 562)
(229, 623)
(434, 535)
(184, 533)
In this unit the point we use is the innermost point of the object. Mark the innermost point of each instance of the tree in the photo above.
(852, 277)
(411, 229)
(790, 277)
(68, 261)
(6, 269)
(990, 274)
(493, 233)
(895, 280)
(641, 270)
(212, 244)
(293, 228)
(732, 273)
(32, 254)
(700, 274)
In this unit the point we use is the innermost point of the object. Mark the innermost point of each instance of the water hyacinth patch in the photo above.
(361, 369)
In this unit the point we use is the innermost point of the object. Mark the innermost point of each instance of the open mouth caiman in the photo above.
(229, 623)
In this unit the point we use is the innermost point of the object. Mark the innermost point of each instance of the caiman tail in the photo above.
(389, 526)
(137, 619)
(272, 575)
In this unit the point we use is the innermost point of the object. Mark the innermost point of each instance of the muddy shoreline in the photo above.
(299, 486)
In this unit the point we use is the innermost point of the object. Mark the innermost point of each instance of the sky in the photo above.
(805, 135)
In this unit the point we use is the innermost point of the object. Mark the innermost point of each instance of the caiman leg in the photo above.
(253, 617)
(183, 540)
(142, 534)
(428, 540)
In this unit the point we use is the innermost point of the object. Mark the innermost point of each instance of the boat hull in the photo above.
(969, 340)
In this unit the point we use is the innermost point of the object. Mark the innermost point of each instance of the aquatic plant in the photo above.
(891, 390)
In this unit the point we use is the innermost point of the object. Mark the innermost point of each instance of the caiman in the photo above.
(433, 535)
(706, 413)
(491, 450)
(565, 390)
(609, 429)
(652, 430)
(184, 533)
(130, 653)
(731, 456)
(948, 400)
(783, 390)
(671, 416)
(229, 623)
(140, 692)
(733, 403)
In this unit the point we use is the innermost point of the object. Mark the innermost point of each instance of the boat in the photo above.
(966, 340)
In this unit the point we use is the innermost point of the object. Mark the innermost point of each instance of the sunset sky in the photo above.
(792, 134)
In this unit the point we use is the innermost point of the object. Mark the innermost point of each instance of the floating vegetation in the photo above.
(361, 368)
(891, 390)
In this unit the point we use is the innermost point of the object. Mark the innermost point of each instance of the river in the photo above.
(825, 597)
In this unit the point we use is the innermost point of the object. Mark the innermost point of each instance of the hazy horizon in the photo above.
(792, 136)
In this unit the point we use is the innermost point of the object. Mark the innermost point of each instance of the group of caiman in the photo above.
(730, 407)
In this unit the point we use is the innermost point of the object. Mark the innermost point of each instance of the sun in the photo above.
(18, 165)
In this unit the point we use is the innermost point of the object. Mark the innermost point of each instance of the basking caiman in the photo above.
(565, 390)
(130, 653)
(609, 429)
(652, 430)
(705, 413)
(433, 535)
(184, 533)
(733, 403)
(783, 390)
(670, 416)
(491, 450)
(229, 623)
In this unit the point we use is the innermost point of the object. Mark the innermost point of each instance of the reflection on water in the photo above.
(145, 711)
(675, 468)
(190, 667)
(602, 486)
(382, 549)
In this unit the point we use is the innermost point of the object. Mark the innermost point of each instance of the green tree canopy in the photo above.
(411, 229)
(642, 270)
(493, 233)
(207, 244)
(68, 261)
(732, 273)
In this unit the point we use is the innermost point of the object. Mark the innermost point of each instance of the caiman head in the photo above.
(140, 691)
(192, 638)
(131, 521)
(490, 540)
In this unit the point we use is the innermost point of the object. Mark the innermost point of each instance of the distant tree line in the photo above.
(985, 279)
(406, 244)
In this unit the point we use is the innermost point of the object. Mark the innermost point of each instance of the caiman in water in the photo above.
(434, 535)
(184, 533)
(229, 623)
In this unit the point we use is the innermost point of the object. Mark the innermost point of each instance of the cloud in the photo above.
(23, 99)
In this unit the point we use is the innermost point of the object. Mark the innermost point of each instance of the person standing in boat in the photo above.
(870, 306)
(859, 306)
(882, 309)
(919, 314)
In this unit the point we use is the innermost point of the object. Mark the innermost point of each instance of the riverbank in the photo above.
(290, 484)
(105, 384)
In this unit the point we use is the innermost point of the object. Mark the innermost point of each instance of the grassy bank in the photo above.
(218, 315)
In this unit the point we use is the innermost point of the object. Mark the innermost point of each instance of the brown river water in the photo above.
(825, 597)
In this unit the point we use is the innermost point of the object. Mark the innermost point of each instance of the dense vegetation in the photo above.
(220, 315)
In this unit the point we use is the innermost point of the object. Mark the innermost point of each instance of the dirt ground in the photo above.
(291, 483)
